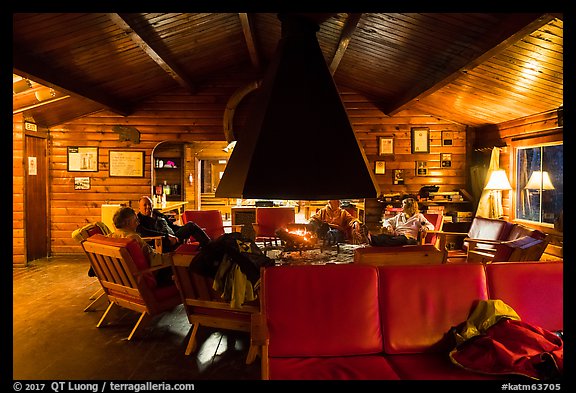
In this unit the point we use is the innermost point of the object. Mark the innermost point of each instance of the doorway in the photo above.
(36, 197)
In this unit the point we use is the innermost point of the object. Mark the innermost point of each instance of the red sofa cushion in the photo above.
(533, 289)
(432, 366)
(420, 303)
(368, 367)
(307, 317)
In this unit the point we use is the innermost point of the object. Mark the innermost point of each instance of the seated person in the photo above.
(333, 223)
(126, 222)
(154, 223)
(404, 227)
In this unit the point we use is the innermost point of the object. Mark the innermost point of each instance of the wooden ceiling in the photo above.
(475, 69)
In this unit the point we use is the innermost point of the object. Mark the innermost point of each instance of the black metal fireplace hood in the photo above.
(299, 143)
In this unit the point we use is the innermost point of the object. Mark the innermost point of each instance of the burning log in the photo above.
(296, 239)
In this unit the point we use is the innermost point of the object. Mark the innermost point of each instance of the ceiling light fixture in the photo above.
(45, 94)
(21, 86)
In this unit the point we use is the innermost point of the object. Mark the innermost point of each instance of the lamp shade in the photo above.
(498, 181)
(539, 179)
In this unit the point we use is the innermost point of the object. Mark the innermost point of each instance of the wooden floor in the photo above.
(54, 339)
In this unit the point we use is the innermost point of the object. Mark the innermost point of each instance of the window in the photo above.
(540, 186)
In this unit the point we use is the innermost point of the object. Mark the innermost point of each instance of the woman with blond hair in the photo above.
(404, 227)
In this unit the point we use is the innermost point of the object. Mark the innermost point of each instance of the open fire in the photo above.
(297, 239)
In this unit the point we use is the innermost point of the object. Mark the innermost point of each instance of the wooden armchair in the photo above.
(205, 307)
(429, 252)
(81, 235)
(99, 228)
(493, 240)
(525, 248)
(127, 279)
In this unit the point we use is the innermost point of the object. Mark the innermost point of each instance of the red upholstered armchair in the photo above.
(269, 219)
(210, 221)
(429, 252)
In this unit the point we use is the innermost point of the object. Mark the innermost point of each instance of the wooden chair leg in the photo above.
(96, 294)
(252, 353)
(101, 321)
(89, 307)
(191, 347)
(142, 321)
(265, 371)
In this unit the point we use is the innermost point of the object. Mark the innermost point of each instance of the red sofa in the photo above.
(363, 322)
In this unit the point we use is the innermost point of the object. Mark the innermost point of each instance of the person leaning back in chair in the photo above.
(332, 223)
(126, 221)
(403, 228)
(153, 223)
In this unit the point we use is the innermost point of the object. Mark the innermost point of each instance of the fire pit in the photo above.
(297, 238)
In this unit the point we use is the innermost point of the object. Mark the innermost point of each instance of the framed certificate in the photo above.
(421, 168)
(385, 146)
(445, 160)
(380, 167)
(398, 176)
(420, 139)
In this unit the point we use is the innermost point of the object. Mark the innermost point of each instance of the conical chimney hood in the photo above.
(298, 143)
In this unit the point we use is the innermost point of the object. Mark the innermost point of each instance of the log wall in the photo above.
(196, 119)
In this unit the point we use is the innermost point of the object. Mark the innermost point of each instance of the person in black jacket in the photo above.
(153, 223)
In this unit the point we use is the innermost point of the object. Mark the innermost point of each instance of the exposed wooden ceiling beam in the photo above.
(128, 23)
(40, 72)
(248, 31)
(347, 32)
(511, 30)
(26, 108)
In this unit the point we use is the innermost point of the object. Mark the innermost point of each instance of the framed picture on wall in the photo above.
(420, 139)
(398, 176)
(81, 183)
(447, 138)
(385, 146)
(380, 167)
(126, 163)
(421, 168)
(82, 159)
(445, 160)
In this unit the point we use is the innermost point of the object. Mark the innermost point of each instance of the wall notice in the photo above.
(32, 166)
(124, 163)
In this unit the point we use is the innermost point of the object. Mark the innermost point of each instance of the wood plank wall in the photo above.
(178, 116)
(18, 234)
(370, 123)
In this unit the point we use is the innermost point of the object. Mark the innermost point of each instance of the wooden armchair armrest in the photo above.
(235, 227)
(157, 242)
(442, 237)
(259, 330)
(473, 243)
